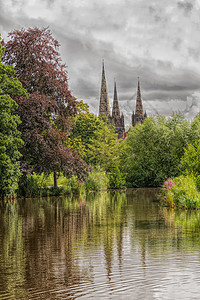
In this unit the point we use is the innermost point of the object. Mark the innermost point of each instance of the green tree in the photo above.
(190, 162)
(103, 147)
(47, 115)
(195, 129)
(152, 151)
(84, 131)
(10, 137)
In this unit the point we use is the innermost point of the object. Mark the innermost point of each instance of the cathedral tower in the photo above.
(116, 118)
(139, 115)
(104, 108)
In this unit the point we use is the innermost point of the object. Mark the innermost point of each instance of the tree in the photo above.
(10, 137)
(103, 146)
(84, 131)
(190, 161)
(195, 129)
(38, 65)
(47, 114)
(153, 150)
(98, 139)
(45, 147)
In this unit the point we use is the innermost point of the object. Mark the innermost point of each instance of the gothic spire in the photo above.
(104, 108)
(139, 115)
(117, 120)
(115, 111)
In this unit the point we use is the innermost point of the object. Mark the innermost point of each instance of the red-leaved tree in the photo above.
(46, 115)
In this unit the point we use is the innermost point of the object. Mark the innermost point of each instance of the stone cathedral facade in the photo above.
(116, 118)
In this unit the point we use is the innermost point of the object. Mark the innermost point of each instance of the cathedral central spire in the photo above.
(117, 120)
(115, 111)
(139, 115)
(139, 106)
(104, 108)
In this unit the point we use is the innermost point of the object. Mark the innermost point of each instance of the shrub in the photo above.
(54, 191)
(117, 179)
(180, 192)
(29, 186)
(197, 181)
(41, 185)
(97, 181)
(72, 184)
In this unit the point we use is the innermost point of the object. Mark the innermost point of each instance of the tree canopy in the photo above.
(10, 136)
(98, 139)
(153, 150)
(47, 114)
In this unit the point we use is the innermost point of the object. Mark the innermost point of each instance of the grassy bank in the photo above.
(181, 192)
(43, 185)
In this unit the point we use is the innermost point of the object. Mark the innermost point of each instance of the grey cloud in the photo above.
(156, 12)
(186, 6)
(6, 23)
(50, 2)
(17, 2)
(132, 41)
(165, 95)
(194, 53)
(180, 84)
(178, 43)
(84, 87)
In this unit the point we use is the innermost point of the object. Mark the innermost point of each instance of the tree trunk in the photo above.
(55, 179)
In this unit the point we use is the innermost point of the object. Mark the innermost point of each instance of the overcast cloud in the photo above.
(159, 41)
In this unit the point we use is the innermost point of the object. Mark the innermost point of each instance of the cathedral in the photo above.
(116, 118)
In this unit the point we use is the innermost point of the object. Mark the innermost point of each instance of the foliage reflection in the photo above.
(54, 243)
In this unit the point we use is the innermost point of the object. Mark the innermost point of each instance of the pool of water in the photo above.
(110, 245)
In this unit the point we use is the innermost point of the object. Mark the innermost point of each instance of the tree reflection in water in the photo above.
(70, 245)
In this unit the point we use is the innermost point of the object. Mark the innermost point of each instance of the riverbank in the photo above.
(178, 192)
(181, 192)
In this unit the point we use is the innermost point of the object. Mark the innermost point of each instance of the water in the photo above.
(115, 245)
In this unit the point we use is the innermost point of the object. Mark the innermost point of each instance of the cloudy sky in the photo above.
(157, 40)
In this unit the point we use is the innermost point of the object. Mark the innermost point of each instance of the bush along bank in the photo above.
(36, 185)
(180, 192)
